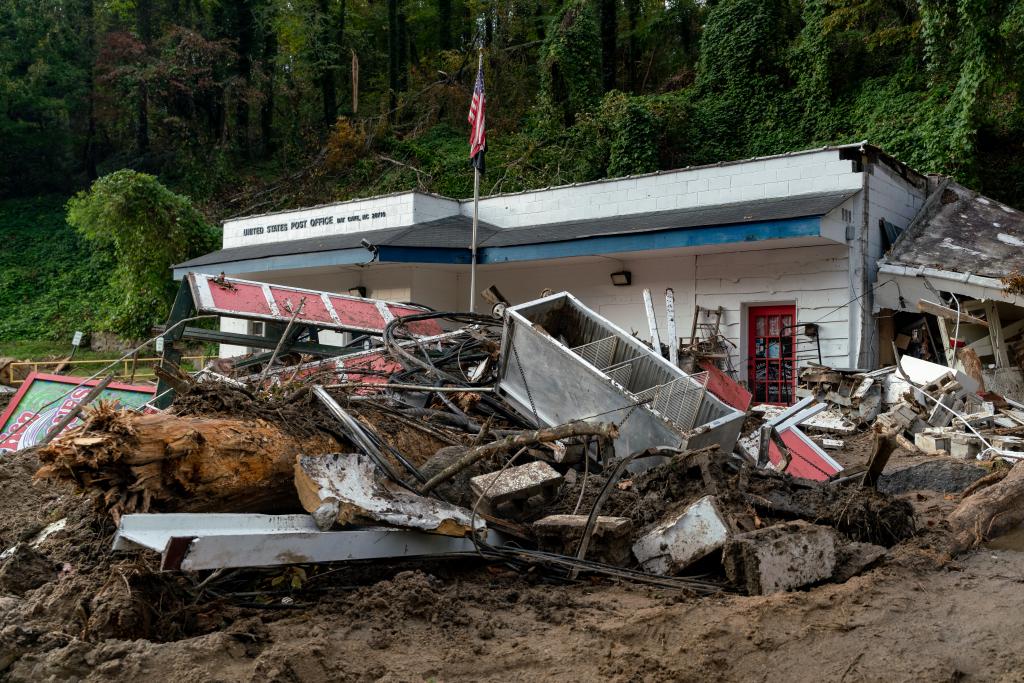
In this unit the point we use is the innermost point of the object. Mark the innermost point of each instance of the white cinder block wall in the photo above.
(725, 183)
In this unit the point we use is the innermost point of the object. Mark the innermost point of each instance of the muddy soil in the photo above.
(916, 615)
(895, 623)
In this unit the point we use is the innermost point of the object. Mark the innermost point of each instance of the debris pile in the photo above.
(543, 439)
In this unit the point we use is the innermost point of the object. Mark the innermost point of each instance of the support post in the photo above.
(476, 220)
(673, 337)
(652, 322)
(182, 308)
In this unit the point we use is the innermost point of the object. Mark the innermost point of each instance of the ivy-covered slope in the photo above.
(51, 283)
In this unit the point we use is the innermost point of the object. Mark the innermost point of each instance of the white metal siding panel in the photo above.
(816, 279)
(591, 284)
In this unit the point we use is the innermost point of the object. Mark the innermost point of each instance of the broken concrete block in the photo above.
(871, 405)
(932, 442)
(940, 416)
(1008, 443)
(922, 372)
(562, 533)
(964, 446)
(833, 444)
(682, 540)
(516, 484)
(898, 418)
(780, 557)
(918, 426)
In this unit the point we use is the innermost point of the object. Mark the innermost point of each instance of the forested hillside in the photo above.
(252, 105)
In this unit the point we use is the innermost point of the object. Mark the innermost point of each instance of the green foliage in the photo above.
(249, 107)
(634, 136)
(571, 61)
(146, 228)
(51, 282)
(42, 82)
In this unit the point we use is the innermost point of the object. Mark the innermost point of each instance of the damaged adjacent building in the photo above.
(776, 256)
(946, 291)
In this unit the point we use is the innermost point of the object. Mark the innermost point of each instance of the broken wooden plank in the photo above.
(946, 313)
(347, 485)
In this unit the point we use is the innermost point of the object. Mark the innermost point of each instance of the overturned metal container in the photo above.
(562, 361)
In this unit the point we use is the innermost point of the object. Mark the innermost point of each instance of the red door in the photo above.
(771, 364)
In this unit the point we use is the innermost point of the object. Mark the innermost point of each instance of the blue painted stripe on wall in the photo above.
(424, 255)
(588, 246)
(650, 241)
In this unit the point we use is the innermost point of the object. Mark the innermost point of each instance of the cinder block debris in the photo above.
(933, 442)
(516, 484)
(682, 540)
(781, 557)
(609, 542)
(963, 445)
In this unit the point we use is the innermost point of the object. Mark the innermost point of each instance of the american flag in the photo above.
(478, 131)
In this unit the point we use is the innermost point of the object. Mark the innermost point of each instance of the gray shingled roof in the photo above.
(816, 204)
(964, 232)
(450, 232)
(455, 231)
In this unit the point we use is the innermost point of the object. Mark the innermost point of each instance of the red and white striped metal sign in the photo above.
(249, 300)
(372, 366)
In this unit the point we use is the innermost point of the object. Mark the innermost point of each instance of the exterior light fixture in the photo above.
(357, 291)
(623, 278)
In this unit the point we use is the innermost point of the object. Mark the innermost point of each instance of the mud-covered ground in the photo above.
(918, 615)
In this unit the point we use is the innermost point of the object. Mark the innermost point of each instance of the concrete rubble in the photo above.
(781, 557)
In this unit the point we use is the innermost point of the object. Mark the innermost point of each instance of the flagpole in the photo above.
(476, 215)
(472, 265)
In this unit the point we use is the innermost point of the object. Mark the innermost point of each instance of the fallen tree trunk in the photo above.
(990, 512)
(136, 463)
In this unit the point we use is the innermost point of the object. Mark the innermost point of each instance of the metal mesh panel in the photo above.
(598, 353)
(620, 372)
(679, 400)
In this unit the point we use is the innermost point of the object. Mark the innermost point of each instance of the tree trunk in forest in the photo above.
(246, 47)
(609, 30)
(488, 24)
(341, 53)
(392, 54)
(444, 24)
(633, 51)
(135, 463)
(90, 137)
(326, 64)
(403, 50)
(267, 108)
(143, 24)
